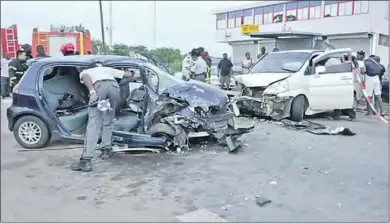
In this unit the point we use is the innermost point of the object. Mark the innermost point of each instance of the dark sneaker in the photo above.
(83, 165)
(106, 154)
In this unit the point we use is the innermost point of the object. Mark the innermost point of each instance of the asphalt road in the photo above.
(307, 178)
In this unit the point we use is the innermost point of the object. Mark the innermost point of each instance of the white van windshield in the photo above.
(281, 62)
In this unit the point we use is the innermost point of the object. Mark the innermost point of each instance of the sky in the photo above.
(179, 24)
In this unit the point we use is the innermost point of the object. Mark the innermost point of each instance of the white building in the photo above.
(359, 25)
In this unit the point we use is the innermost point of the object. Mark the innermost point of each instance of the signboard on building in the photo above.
(247, 29)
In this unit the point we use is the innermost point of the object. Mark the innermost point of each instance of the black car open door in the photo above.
(130, 136)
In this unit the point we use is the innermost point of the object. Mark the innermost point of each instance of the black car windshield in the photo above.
(281, 62)
(165, 80)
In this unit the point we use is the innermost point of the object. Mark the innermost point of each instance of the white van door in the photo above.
(331, 85)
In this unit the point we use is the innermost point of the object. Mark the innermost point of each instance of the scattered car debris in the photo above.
(261, 201)
(273, 182)
(316, 128)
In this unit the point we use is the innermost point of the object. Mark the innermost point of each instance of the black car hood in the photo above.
(198, 94)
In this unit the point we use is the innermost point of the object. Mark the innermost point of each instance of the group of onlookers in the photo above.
(196, 65)
(372, 72)
(13, 70)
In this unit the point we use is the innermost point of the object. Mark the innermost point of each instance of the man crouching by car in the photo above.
(101, 85)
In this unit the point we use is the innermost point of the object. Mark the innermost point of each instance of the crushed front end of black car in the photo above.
(194, 107)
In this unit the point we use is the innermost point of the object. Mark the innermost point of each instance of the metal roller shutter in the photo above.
(239, 51)
(356, 44)
(269, 45)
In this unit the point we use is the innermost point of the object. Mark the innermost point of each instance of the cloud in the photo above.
(179, 24)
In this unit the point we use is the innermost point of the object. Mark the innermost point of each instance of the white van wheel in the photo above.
(298, 108)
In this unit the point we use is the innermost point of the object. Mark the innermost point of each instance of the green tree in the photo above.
(120, 49)
(170, 55)
(98, 47)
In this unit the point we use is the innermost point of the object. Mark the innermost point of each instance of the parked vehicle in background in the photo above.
(291, 84)
(9, 41)
(53, 39)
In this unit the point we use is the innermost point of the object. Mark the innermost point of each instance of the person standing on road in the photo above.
(199, 69)
(373, 84)
(101, 85)
(383, 69)
(262, 53)
(41, 52)
(67, 49)
(27, 48)
(186, 65)
(224, 70)
(5, 85)
(17, 68)
(247, 63)
(205, 56)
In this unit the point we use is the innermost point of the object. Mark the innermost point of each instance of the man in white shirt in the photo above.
(247, 63)
(101, 85)
(5, 85)
(186, 65)
(199, 69)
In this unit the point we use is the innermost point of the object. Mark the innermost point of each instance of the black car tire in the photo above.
(298, 108)
(45, 134)
(162, 129)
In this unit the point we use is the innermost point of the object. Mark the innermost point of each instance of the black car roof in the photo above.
(105, 59)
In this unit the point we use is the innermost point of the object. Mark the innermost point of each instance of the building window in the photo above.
(291, 11)
(345, 8)
(330, 8)
(258, 16)
(231, 19)
(277, 16)
(268, 11)
(303, 10)
(383, 40)
(248, 16)
(361, 7)
(239, 18)
(221, 21)
(315, 9)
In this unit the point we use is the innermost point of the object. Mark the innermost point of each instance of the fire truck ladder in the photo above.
(10, 42)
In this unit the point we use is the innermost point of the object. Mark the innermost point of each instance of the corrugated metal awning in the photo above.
(289, 34)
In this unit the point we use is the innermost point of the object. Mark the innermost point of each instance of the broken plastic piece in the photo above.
(232, 144)
(261, 201)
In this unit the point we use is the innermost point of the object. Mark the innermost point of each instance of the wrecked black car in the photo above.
(157, 109)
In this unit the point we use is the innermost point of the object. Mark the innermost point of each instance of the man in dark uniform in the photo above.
(205, 56)
(224, 70)
(41, 52)
(27, 48)
(17, 67)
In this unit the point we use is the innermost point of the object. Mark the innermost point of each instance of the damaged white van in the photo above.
(291, 84)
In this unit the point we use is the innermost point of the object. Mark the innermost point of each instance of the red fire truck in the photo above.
(9, 41)
(57, 36)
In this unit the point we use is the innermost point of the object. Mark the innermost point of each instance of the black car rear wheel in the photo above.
(31, 132)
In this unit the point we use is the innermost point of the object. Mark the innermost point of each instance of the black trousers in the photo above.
(5, 87)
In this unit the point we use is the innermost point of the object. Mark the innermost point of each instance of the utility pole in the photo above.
(110, 26)
(154, 24)
(101, 21)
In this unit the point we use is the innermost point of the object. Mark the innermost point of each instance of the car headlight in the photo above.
(278, 87)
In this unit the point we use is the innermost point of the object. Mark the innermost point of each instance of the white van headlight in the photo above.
(278, 87)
